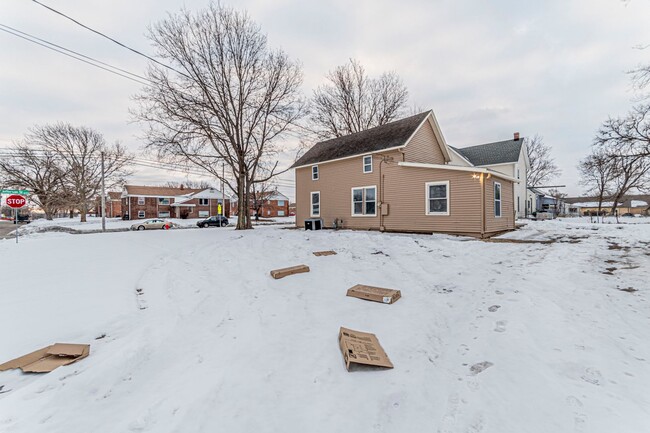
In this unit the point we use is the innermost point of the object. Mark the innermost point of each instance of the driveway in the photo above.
(5, 228)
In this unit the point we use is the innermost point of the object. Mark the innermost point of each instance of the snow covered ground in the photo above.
(189, 333)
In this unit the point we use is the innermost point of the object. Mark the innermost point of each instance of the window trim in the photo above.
(317, 172)
(141, 199)
(427, 198)
(311, 204)
(169, 214)
(363, 209)
(363, 161)
(161, 201)
(500, 200)
(144, 214)
(201, 201)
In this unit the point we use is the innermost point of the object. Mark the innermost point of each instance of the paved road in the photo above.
(5, 228)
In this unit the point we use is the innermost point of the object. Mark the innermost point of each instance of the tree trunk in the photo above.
(84, 211)
(241, 205)
(71, 211)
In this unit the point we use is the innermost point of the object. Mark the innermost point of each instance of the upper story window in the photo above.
(437, 194)
(517, 173)
(314, 172)
(140, 200)
(163, 201)
(497, 199)
(367, 164)
(280, 202)
(364, 201)
(204, 201)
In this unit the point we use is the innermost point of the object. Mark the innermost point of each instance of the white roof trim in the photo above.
(351, 156)
(458, 168)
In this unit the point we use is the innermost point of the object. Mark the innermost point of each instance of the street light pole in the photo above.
(103, 196)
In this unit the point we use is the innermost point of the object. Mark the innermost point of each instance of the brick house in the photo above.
(139, 202)
(113, 205)
(275, 204)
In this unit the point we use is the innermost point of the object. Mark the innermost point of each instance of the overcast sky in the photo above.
(486, 68)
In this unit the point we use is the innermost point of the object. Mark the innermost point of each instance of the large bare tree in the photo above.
(78, 151)
(229, 97)
(351, 101)
(542, 165)
(38, 171)
(597, 176)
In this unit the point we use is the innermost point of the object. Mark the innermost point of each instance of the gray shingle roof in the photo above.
(392, 134)
(501, 152)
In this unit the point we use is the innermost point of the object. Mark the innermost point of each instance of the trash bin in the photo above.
(313, 224)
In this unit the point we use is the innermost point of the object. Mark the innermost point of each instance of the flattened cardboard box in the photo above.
(362, 348)
(285, 272)
(48, 358)
(377, 294)
(324, 253)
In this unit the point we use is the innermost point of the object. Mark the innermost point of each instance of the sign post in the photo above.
(15, 202)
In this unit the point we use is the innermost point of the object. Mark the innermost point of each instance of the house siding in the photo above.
(507, 219)
(423, 147)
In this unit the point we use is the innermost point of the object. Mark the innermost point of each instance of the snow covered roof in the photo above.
(639, 203)
(595, 204)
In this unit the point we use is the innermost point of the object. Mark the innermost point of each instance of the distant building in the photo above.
(140, 202)
(113, 205)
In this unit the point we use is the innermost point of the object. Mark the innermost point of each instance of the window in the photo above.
(497, 199)
(314, 172)
(364, 201)
(437, 194)
(367, 164)
(163, 201)
(280, 202)
(517, 173)
(204, 202)
(280, 213)
(204, 213)
(315, 204)
(140, 200)
(140, 214)
(163, 214)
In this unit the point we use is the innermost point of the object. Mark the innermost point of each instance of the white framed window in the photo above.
(204, 214)
(314, 172)
(140, 214)
(437, 198)
(517, 173)
(497, 199)
(364, 201)
(367, 164)
(163, 201)
(204, 202)
(315, 204)
(163, 214)
(280, 202)
(280, 213)
(140, 200)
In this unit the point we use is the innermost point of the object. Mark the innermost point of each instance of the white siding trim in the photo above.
(363, 164)
(363, 209)
(458, 168)
(311, 204)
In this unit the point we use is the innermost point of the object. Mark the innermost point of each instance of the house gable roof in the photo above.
(390, 135)
(500, 152)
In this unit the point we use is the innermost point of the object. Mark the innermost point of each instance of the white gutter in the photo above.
(458, 168)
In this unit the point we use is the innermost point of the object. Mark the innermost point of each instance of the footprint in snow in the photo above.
(501, 326)
(480, 367)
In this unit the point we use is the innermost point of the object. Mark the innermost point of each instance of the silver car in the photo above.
(152, 224)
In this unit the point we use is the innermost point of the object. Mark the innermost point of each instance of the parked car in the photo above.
(216, 221)
(628, 215)
(152, 225)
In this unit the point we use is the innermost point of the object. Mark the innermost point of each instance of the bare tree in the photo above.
(261, 192)
(597, 175)
(542, 165)
(37, 171)
(228, 99)
(191, 184)
(352, 102)
(78, 151)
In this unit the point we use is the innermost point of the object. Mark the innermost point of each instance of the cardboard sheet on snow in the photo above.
(377, 294)
(285, 272)
(48, 358)
(324, 253)
(362, 348)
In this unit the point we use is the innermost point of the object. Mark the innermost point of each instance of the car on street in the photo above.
(152, 224)
(628, 215)
(213, 221)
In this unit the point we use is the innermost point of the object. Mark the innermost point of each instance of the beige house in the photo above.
(402, 177)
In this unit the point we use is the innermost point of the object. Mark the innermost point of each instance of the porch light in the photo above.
(475, 176)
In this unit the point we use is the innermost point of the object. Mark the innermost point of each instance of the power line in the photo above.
(110, 38)
(73, 56)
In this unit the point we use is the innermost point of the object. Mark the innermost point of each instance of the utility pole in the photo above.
(103, 196)
(223, 192)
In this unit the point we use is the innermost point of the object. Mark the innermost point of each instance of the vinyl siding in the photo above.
(424, 147)
(405, 195)
(507, 219)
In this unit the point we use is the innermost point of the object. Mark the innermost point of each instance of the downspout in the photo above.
(482, 182)
(384, 158)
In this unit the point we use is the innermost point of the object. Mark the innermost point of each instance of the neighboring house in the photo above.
(140, 202)
(402, 176)
(509, 157)
(113, 205)
(274, 204)
(634, 207)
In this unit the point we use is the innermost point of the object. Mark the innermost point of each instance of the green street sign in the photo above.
(14, 191)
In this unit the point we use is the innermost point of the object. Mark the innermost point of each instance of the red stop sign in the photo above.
(16, 201)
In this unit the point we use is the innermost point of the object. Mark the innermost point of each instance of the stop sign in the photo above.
(16, 201)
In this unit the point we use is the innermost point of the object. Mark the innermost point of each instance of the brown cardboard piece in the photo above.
(48, 358)
(362, 348)
(324, 253)
(377, 294)
(284, 272)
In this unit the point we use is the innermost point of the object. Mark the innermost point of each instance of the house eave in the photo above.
(356, 155)
(458, 168)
